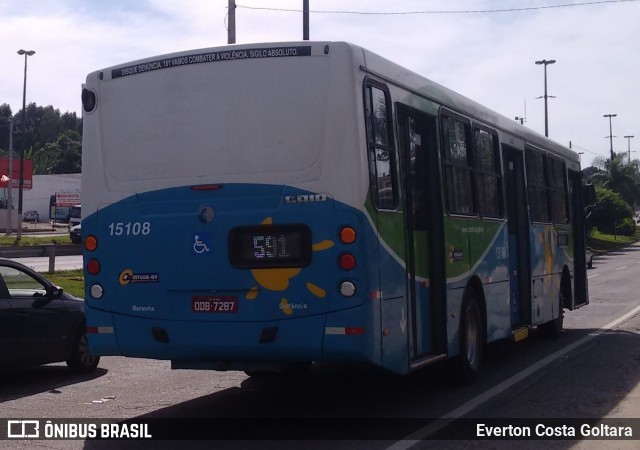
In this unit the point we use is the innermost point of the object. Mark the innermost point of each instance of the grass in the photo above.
(10, 241)
(72, 281)
(600, 242)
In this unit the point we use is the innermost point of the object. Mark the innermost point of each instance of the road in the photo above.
(41, 264)
(591, 371)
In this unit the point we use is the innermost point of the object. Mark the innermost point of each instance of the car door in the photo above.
(37, 328)
(10, 337)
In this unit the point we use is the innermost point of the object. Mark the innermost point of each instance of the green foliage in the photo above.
(619, 175)
(52, 140)
(8, 241)
(609, 213)
(600, 242)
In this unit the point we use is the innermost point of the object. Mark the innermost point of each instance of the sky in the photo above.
(486, 56)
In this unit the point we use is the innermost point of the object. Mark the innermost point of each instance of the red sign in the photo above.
(67, 199)
(15, 176)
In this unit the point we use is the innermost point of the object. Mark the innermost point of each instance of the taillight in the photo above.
(90, 243)
(93, 267)
(348, 235)
(347, 261)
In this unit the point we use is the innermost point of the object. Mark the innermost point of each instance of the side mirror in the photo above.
(54, 292)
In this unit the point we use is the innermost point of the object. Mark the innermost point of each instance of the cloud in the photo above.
(486, 57)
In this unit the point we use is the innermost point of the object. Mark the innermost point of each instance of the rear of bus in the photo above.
(223, 195)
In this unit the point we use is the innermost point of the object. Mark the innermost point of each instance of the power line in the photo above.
(586, 150)
(470, 11)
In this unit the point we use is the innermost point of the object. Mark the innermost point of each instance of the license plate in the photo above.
(214, 304)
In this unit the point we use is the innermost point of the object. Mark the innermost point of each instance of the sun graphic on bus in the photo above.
(278, 279)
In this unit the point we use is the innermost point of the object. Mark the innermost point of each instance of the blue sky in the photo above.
(488, 57)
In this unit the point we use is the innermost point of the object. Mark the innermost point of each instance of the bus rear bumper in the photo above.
(232, 345)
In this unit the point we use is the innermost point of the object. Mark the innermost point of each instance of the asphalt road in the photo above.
(591, 371)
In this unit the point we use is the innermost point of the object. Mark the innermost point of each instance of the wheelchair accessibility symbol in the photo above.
(201, 243)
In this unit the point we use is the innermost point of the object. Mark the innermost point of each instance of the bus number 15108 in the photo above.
(129, 229)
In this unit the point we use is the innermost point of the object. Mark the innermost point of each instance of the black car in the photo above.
(75, 233)
(39, 323)
(31, 216)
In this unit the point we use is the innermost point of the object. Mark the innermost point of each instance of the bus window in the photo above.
(488, 174)
(381, 156)
(458, 169)
(558, 190)
(537, 186)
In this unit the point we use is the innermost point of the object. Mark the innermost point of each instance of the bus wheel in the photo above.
(471, 340)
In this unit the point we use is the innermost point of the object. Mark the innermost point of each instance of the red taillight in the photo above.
(93, 267)
(90, 243)
(347, 261)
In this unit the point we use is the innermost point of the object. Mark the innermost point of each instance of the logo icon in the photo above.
(201, 243)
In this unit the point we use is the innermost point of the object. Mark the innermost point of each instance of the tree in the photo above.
(617, 176)
(62, 156)
(610, 213)
(5, 114)
(53, 141)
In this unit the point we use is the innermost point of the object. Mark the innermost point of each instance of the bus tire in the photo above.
(468, 362)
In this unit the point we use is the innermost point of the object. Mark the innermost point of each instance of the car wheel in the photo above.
(81, 361)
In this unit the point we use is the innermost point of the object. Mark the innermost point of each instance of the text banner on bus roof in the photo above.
(225, 55)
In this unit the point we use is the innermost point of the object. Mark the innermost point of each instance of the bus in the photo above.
(264, 207)
(61, 205)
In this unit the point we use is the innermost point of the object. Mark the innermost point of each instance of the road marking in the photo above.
(620, 268)
(419, 435)
(593, 276)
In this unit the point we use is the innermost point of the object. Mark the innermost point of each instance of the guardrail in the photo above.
(35, 251)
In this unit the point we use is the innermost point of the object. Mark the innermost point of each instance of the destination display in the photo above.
(266, 246)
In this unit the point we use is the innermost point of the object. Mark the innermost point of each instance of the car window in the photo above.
(21, 284)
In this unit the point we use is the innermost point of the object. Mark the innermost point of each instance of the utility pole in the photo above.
(610, 134)
(26, 53)
(305, 20)
(628, 138)
(231, 32)
(10, 182)
(545, 96)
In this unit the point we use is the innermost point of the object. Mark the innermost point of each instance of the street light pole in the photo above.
(24, 131)
(546, 108)
(610, 134)
(628, 138)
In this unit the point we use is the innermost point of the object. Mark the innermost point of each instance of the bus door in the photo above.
(424, 234)
(518, 225)
(580, 288)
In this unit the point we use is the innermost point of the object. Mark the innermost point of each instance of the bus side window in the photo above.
(382, 166)
(558, 190)
(458, 166)
(488, 174)
(537, 186)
